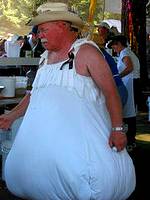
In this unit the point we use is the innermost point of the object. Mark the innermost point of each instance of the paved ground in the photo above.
(141, 159)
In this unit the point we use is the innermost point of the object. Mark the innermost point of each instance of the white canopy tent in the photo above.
(113, 6)
(114, 22)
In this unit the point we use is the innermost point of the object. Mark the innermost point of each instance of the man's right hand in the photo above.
(6, 121)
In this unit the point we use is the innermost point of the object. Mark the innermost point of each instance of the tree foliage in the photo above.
(17, 12)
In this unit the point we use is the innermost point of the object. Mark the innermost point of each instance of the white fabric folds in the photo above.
(61, 151)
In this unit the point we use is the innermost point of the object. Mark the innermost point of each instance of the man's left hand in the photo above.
(118, 139)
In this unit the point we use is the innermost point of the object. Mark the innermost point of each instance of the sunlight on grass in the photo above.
(143, 137)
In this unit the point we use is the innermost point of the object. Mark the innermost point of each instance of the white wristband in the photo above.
(119, 128)
(123, 128)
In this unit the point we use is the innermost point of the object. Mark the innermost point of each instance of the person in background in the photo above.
(35, 42)
(128, 65)
(2, 48)
(20, 40)
(2, 55)
(104, 33)
(32, 44)
(37, 50)
(101, 38)
(71, 143)
(137, 87)
(122, 90)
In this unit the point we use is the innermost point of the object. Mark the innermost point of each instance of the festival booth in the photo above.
(131, 25)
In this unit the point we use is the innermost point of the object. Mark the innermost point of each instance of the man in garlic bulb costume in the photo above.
(71, 143)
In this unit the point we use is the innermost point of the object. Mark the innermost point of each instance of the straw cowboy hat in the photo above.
(53, 11)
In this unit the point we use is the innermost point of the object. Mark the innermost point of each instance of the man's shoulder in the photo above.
(84, 42)
(89, 51)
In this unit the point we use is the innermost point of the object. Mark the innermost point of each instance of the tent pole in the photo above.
(103, 10)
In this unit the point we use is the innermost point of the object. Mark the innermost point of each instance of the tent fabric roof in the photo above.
(113, 6)
(114, 22)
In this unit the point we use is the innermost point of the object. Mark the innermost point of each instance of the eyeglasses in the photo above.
(42, 30)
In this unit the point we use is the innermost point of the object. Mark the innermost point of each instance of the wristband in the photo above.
(123, 128)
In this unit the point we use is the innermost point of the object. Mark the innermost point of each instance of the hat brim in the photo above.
(117, 38)
(102, 25)
(55, 16)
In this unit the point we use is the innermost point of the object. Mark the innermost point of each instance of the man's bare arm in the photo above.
(6, 120)
(101, 74)
(129, 66)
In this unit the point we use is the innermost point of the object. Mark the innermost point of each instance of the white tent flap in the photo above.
(113, 6)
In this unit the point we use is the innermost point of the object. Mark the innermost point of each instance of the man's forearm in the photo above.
(21, 108)
(125, 72)
(115, 110)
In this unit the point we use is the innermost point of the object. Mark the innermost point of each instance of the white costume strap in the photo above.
(43, 58)
(78, 43)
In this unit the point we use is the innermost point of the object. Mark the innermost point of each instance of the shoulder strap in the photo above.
(43, 58)
(69, 61)
(78, 43)
(74, 49)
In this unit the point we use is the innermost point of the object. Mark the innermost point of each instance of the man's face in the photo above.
(34, 37)
(117, 47)
(51, 34)
(102, 31)
(20, 42)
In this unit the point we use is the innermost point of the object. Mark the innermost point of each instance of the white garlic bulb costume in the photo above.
(61, 151)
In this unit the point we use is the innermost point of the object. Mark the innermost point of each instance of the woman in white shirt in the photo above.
(128, 65)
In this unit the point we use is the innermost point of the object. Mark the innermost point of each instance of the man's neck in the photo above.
(59, 54)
